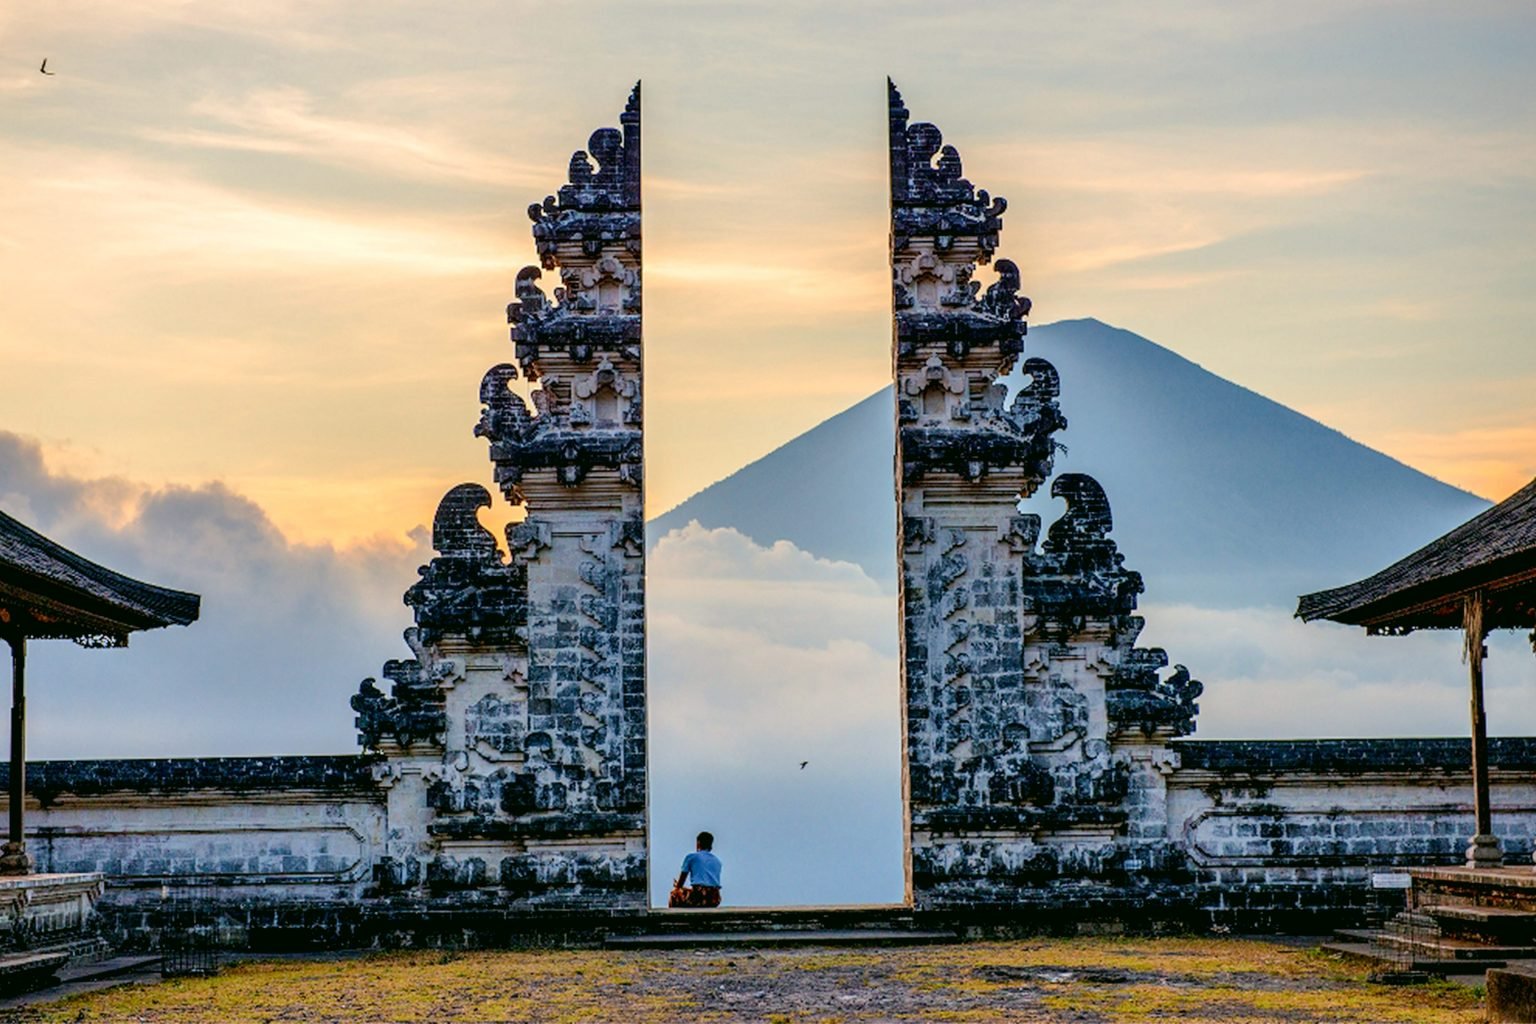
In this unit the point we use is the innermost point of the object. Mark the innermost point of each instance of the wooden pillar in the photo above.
(14, 859)
(1484, 850)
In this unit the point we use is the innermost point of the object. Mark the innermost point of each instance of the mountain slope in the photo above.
(830, 491)
(1221, 497)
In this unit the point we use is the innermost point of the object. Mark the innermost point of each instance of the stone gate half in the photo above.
(1032, 719)
(515, 737)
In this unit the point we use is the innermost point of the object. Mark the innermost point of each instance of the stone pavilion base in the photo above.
(50, 912)
(1503, 888)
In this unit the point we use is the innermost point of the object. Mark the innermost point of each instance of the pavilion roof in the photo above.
(48, 591)
(1494, 552)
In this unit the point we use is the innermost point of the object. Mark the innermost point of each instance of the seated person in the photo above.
(703, 868)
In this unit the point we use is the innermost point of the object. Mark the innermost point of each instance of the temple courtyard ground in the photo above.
(1084, 980)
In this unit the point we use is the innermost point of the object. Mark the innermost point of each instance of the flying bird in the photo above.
(803, 764)
(44, 67)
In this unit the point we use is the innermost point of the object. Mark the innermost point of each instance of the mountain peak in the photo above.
(1221, 496)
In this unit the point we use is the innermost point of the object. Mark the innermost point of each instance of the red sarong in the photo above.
(694, 896)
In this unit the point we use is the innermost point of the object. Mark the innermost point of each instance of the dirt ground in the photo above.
(1047, 980)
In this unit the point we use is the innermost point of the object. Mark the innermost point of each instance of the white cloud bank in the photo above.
(761, 658)
(286, 632)
(1269, 675)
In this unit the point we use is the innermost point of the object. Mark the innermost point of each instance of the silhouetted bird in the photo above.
(803, 764)
(44, 67)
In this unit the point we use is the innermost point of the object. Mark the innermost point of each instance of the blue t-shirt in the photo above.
(702, 868)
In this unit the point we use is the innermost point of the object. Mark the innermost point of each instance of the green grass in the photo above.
(1112, 980)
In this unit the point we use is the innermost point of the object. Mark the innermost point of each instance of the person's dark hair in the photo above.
(706, 840)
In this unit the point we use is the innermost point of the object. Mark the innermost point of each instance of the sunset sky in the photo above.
(270, 244)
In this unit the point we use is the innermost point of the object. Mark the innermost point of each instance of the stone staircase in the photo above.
(59, 982)
(777, 928)
(28, 968)
(1450, 938)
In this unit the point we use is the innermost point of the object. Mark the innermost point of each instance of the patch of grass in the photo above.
(1367, 1004)
(1102, 979)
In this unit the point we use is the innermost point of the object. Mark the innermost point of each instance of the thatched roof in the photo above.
(1494, 552)
(46, 590)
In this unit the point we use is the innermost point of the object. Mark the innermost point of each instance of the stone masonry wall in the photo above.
(295, 850)
(263, 830)
(1331, 811)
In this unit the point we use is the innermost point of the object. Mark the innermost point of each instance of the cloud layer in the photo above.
(286, 632)
(1269, 675)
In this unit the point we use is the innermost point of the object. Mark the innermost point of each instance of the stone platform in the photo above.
(46, 921)
(1460, 921)
(1508, 887)
(48, 911)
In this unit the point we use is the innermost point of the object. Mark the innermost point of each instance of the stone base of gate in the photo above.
(291, 925)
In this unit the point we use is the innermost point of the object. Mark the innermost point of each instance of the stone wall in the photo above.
(297, 851)
(272, 828)
(1262, 812)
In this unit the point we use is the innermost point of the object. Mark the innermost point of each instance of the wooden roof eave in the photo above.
(1420, 607)
(66, 613)
(32, 561)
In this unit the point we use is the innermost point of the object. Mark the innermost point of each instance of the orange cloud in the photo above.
(284, 120)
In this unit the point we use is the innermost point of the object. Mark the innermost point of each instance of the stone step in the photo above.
(1482, 915)
(1416, 925)
(1438, 947)
(1495, 925)
(1367, 952)
(1365, 935)
(737, 919)
(782, 937)
(26, 963)
(1415, 920)
(112, 967)
(22, 971)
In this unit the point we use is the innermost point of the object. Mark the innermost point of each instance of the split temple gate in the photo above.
(502, 791)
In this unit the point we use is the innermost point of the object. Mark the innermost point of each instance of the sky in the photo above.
(256, 258)
(270, 244)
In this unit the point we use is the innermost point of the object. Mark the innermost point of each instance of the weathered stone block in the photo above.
(1511, 995)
